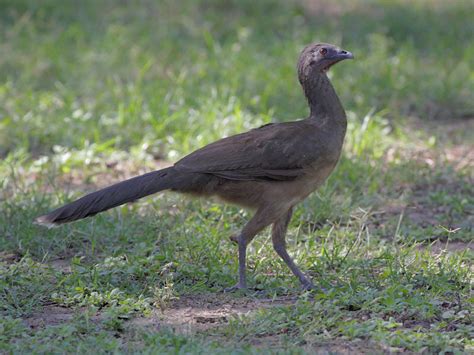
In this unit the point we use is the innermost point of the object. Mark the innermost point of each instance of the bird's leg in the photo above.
(279, 244)
(243, 242)
(242, 284)
(262, 218)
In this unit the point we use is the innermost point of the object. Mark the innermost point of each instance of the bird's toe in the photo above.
(234, 239)
(235, 288)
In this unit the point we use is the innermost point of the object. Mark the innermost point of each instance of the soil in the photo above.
(202, 312)
(198, 313)
(52, 315)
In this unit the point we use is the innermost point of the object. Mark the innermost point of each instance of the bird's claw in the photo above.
(313, 288)
(235, 288)
(309, 286)
(234, 239)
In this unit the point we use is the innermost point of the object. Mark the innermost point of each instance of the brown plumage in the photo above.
(269, 169)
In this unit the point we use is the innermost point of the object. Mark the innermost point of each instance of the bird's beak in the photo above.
(342, 54)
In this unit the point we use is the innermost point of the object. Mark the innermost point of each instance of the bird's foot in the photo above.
(309, 286)
(234, 239)
(236, 287)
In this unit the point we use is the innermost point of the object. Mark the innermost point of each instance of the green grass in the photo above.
(96, 91)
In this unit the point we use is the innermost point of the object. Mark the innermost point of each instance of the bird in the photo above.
(268, 169)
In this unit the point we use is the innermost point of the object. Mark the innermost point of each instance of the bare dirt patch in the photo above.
(9, 258)
(441, 201)
(439, 247)
(50, 315)
(202, 312)
(459, 157)
(436, 144)
(198, 313)
(53, 314)
(62, 264)
(438, 197)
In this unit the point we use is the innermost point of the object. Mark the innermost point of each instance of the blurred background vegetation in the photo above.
(174, 75)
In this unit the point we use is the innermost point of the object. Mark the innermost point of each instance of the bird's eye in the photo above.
(323, 51)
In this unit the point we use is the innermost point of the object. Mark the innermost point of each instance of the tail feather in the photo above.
(112, 196)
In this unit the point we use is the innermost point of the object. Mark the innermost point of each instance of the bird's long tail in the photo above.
(112, 196)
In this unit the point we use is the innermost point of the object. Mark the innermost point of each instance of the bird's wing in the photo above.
(276, 152)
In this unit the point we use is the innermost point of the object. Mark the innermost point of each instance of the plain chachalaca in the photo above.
(269, 169)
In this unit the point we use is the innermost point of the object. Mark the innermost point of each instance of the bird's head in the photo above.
(317, 58)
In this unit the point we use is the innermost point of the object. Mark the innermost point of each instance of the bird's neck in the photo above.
(323, 100)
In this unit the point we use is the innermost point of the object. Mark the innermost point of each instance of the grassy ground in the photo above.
(95, 91)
